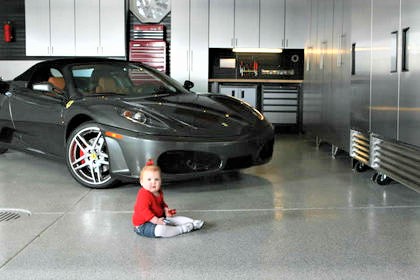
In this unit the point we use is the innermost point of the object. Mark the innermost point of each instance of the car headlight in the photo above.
(143, 118)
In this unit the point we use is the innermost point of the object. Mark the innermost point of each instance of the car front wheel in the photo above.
(87, 157)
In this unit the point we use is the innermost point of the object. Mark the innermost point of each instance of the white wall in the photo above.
(9, 69)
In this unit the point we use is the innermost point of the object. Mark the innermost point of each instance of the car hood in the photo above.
(200, 114)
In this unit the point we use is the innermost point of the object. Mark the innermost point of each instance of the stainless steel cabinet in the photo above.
(189, 46)
(233, 23)
(247, 93)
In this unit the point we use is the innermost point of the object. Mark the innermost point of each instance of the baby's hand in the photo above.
(170, 212)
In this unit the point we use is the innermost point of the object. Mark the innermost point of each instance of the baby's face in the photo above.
(151, 181)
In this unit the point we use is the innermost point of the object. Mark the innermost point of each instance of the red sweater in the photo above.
(147, 206)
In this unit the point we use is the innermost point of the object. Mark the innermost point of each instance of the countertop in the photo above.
(279, 81)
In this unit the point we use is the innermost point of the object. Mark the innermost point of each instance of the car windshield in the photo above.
(122, 79)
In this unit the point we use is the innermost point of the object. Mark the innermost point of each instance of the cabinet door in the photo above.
(271, 23)
(180, 39)
(228, 90)
(112, 27)
(409, 117)
(297, 17)
(247, 24)
(37, 27)
(385, 26)
(221, 23)
(62, 27)
(199, 45)
(248, 94)
(87, 27)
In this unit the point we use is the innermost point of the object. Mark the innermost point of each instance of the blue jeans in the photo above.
(147, 229)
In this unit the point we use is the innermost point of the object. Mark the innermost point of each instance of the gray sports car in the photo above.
(107, 117)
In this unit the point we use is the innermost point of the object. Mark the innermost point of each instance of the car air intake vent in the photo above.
(182, 162)
(238, 162)
(359, 146)
(398, 161)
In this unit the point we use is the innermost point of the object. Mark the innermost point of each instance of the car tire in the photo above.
(3, 150)
(87, 157)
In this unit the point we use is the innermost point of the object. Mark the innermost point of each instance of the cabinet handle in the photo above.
(353, 59)
(287, 43)
(233, 93)
(242, 94)
(394, 51)
(404, 55)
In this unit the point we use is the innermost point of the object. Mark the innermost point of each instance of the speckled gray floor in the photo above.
(302, 216)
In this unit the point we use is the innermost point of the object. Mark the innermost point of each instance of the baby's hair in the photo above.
(150, 166)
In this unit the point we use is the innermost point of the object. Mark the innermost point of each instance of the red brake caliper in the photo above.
(81, 154)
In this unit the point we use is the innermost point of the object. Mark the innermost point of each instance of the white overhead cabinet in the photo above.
(100, 28)
(234, 24)
(259, 23)
(189, 42)
(75, 27)
(272, 24)
(49, 27)
(296, 23)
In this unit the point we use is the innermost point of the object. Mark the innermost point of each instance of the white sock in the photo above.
(170, 231)
(198, 224)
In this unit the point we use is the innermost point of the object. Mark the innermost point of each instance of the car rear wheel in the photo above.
(87, 157)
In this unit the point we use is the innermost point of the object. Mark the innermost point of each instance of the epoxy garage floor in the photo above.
(302, 216)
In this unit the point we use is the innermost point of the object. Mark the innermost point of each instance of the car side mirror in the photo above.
(48, 89)
(188, 85)
(42, 87)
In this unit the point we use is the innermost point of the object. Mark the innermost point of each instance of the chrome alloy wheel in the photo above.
(88, 158)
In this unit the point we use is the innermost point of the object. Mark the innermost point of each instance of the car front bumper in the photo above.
(186, 157)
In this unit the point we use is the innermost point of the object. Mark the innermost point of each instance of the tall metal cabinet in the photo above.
(189, 42)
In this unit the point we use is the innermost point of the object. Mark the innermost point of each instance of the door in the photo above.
(271, 23)
(247, 24)
(87, 27)
(37, 119)
(199, 44)
(360, 65)
(221, 23)
(112, 28)
(297, 17)
(180, 40)
(62, 27)
(385, 41)
(409, 117)
(37, 27)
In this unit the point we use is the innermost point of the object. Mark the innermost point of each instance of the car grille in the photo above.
(181, 162)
